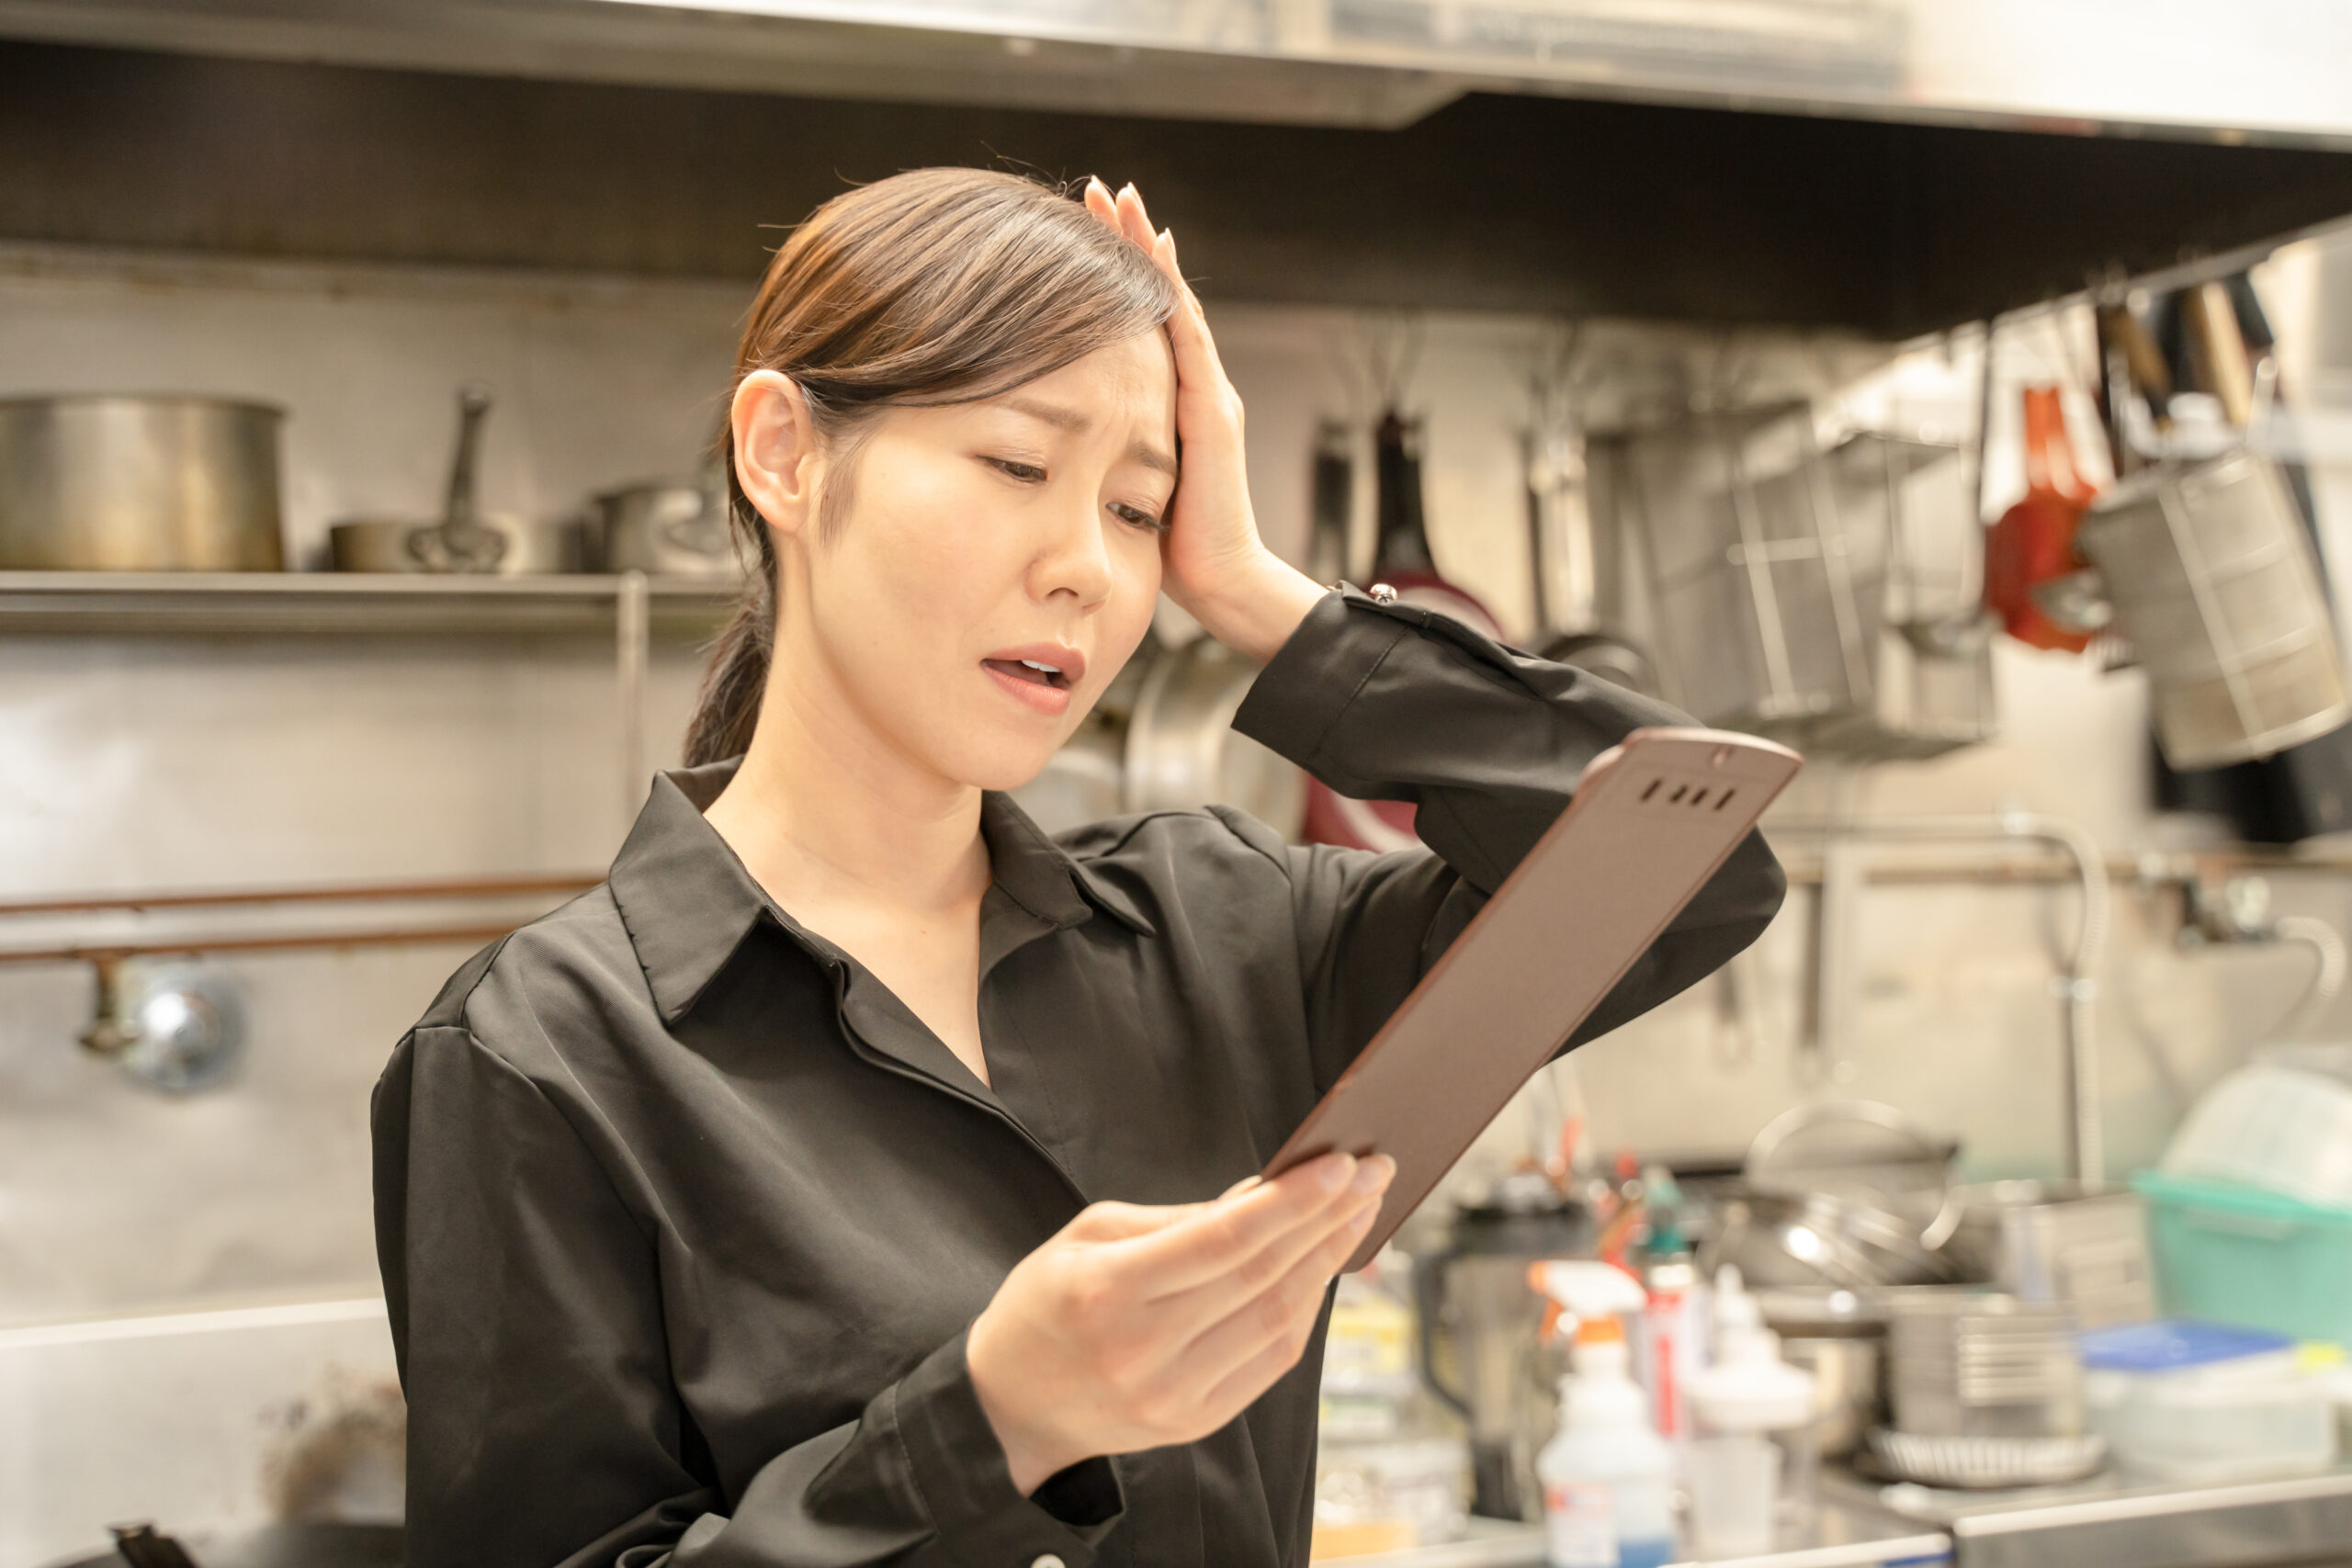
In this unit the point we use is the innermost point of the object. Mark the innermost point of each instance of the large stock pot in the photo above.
(111, 483)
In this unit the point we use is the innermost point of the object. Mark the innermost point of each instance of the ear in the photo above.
(777, 455)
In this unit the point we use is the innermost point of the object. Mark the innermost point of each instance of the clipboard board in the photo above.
(1651, 821)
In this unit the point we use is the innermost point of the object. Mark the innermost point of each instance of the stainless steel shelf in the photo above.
(198, 604)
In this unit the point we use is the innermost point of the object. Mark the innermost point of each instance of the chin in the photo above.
(1006, 764)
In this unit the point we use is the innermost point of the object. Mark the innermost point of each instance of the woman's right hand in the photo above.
(1140, 1326)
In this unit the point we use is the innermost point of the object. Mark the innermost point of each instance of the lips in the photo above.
(1040, 676)
(1032, 671)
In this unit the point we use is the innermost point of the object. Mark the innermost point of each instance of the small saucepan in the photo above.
(663, 528)
(464, 539)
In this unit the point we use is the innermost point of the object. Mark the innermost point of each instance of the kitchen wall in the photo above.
(137, 764)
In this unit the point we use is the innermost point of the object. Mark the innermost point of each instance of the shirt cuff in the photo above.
(1304, 689)
(959, 1468)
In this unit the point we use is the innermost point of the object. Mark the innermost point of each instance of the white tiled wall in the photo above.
(131, 763)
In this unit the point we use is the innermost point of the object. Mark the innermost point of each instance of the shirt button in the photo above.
(1046, 1559)
(1382, 594)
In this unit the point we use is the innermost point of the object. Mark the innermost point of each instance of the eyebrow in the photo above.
(1074, 421)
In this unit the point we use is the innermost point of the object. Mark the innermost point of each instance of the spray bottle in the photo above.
(1607, 1476)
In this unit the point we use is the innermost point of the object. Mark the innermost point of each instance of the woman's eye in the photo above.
(1027, 473)
(1135, 516)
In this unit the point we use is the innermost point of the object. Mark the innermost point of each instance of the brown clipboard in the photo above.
(1651, 821)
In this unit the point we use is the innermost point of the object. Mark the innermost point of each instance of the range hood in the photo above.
(2265, 70)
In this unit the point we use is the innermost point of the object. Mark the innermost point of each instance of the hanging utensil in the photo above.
(1333, 503)
(2032, 574)
(2212, 578)
(1403, 562)
(1767, 605)
(1562, 551)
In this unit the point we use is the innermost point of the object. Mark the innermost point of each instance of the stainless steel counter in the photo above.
(2303, 1520)
(2107, 1523)
(1847, 1535)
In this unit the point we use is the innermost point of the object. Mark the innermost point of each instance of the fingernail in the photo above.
(1335, 1172)
(1094, 182)
(1128, 189)
(1373, 1174)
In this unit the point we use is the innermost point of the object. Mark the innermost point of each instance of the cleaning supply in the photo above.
(1607, 1476)
(1753, 1459)
(1673, 1322)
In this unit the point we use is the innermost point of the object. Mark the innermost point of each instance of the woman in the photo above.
(838, 1183)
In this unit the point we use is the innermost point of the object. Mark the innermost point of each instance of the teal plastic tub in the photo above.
(2232, 1254)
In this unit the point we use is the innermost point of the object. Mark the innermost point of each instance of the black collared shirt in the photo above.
(683, 1214)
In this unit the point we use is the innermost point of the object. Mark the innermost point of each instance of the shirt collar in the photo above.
(688, 903)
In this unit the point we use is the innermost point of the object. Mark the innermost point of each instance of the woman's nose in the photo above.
(1075, 560)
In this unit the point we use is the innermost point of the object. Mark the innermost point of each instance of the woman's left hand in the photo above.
(1216, 566)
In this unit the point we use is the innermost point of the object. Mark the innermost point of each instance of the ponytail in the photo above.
(727, 707)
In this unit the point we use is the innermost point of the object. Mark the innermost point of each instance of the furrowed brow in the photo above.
(1151, 457)
(1055, 414)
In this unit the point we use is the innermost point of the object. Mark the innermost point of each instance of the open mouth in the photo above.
(1032, 671)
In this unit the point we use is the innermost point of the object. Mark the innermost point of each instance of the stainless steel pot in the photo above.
(2053, 1241)
(140, 484)
(666, 528)
(464, 539)
(526, 545)
(1848, 1397)
(1182, 752)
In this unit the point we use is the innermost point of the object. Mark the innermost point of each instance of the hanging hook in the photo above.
(111, 1030)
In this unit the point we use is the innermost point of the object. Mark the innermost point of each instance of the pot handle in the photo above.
(461, 540)
(1429, 1294)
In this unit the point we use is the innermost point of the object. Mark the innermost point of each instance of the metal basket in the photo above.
(2213, 579)
(1788, 588)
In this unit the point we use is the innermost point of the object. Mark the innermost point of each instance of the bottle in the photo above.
(1753, 1459)
(1673, 1321)
(1607, 1476)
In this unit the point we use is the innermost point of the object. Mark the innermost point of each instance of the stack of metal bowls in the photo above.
(1987, 1393)
(1976, 1363)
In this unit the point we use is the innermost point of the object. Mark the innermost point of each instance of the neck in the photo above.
(826, 809)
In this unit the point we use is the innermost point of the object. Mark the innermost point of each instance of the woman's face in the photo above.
(996, 564)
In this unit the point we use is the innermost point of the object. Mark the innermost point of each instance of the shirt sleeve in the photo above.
(1391, 702)
(545, 1428)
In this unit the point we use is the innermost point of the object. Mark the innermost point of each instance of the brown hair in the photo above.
(938, 285)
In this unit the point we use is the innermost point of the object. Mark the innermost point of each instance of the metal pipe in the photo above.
(633, 641)
(2077, 985)
(108, 954)
(350, 893)
(2167, 867)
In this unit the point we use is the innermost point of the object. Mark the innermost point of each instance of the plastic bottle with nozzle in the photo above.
(1755, 1459)
(1607, 1476)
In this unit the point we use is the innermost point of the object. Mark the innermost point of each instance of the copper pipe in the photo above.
(351, 893)
(2123, 869)
(115, 951)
